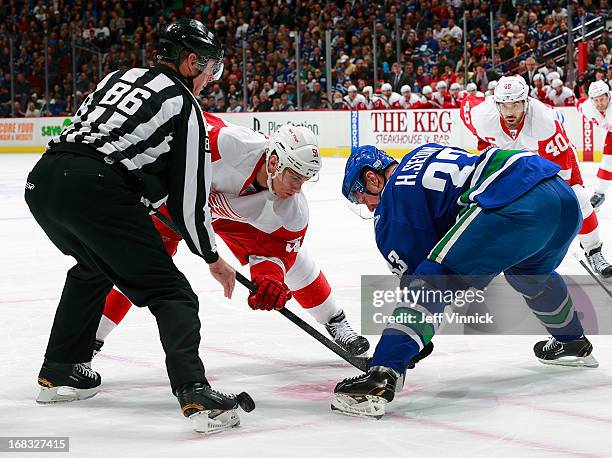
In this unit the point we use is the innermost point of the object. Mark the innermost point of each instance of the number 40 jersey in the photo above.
(434, 183)
(541, 131)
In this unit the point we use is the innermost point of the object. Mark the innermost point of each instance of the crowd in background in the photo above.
(429, 71)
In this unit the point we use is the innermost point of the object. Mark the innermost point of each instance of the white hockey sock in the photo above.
(325, 311)
(105, 327)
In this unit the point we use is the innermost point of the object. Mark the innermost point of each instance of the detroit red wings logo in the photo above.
(315, 153)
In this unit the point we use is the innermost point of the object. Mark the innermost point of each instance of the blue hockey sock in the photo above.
(551, 303)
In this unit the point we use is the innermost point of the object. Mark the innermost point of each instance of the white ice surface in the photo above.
(475, 396)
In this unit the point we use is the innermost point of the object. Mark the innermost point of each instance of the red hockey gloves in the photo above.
(271, 294)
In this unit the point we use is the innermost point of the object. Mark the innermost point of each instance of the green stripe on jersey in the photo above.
(495, 164)
(435, 253)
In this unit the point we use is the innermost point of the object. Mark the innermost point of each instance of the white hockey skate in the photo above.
(598, 263)
(345, 336)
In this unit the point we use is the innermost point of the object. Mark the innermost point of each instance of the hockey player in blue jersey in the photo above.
(446, 219)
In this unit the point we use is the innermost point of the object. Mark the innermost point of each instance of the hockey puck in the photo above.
(245, 401)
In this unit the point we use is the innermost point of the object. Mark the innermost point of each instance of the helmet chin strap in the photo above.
(270, 176)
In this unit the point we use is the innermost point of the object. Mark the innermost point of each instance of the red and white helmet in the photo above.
(511, 89)
(597, 88)
(297, 148)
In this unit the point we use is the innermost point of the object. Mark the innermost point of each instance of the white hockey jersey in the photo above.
(410, 101)
(358, 103)
(387, 103)
(541, 131)
(603, 120)
(565, 99)
(273, 225)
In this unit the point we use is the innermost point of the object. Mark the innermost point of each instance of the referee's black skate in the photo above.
(574, 353)
(209, 410)
(367, 394)
(344, 335)
(64, 382)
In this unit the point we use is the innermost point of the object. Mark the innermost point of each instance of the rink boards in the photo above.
(395, 131)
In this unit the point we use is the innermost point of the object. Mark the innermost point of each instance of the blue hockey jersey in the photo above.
(434, 183)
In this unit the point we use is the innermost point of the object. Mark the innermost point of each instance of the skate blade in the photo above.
(208, 422)
(64, 394)
(365, 406)
(574, 361)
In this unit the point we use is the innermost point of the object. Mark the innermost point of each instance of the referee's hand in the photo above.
(224, 274)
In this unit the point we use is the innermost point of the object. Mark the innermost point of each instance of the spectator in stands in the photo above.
(314, 98)
(285, 103)
(265, 104)
(32, 110)
(234, 107)
(482, 77)
(338, 103)
(254, 105)
(528, 75)
(431, 44)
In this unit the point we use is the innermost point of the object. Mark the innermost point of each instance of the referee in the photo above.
(138, 141)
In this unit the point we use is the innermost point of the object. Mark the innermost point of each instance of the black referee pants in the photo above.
(89, 211)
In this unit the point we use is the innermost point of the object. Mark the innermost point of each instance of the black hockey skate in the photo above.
(366, 395)
(64, 382)
(598, 263)
(209, 410)
(597, 200)
(574, 353)
(344, 335)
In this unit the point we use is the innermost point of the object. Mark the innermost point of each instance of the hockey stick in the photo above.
(592, 274)
(362, 363)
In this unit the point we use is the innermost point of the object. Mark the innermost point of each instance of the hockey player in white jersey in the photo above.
(387, 100)
(510, 119)
(353, 100)
(261, 214)
(491, 88)
(368, 95)
(408, 97)
(540, 89)
(472, 89)
(560, 95)
(598, 109)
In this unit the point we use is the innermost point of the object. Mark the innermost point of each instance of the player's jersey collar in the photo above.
(508, 132)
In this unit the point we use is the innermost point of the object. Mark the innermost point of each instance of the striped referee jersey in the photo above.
(148, 120)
